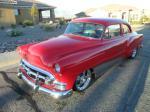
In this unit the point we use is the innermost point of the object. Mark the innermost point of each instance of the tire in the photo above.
(134, 53)
(83, 81)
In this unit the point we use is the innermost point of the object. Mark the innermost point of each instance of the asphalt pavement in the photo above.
(123, 88)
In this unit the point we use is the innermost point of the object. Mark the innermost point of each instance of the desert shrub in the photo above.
(13, 26)
(20, 23)
(62, 22)
(143, 20)
(27, 23)
(49, 27)
(23, 25)
(2, 27)
(15, 33)
(136, 22)
(41, 25)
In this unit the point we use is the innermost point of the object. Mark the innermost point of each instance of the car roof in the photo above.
(103, 21)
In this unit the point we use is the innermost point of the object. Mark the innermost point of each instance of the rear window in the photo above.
(125, 29)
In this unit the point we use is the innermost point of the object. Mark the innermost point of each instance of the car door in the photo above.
(114, 41)
(112, 45)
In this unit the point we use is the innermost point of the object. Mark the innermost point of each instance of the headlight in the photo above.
(57, 68)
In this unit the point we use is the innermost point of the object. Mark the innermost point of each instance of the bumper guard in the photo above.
(54, 94)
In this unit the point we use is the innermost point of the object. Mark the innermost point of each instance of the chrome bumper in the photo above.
(54, 94)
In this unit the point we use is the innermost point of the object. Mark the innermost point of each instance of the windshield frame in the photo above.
(104, 27)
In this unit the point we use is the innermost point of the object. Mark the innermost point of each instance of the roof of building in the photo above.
(104, 21)
(20, 4)
(81, 14)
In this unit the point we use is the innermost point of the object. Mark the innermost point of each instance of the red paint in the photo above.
(76, 54)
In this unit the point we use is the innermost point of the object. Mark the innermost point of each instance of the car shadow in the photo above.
(88, 104)
(15, 87)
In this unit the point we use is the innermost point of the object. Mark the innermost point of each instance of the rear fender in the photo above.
(134, 42)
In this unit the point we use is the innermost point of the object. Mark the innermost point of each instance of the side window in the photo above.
(93, 30)
(125, 29)
(112, 31)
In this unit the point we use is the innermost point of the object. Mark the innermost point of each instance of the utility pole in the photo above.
(123, 15)
(143, 13)
(129, 15)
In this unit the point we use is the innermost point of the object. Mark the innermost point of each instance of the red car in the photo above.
(60, 65)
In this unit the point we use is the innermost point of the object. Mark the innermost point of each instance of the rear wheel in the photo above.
(134, 53)
(83, 81)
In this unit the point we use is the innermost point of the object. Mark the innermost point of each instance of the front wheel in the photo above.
(83, 81)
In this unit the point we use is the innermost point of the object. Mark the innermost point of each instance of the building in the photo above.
(128, 13)
(81, 14)
(17, 11)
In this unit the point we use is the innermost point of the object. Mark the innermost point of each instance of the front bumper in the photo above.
(54, 94)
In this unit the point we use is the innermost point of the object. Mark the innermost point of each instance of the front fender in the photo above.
(76, 63)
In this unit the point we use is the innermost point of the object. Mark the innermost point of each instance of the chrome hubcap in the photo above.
(83, 81)
(134, 53)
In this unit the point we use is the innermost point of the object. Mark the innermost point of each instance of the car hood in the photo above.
(53, 50)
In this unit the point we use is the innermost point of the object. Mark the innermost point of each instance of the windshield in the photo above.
(85, 29)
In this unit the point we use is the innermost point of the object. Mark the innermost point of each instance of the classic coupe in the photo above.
(59, 66)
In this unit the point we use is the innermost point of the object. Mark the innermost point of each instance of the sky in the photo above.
(68, 8)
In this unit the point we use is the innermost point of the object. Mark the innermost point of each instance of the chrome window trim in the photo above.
(37, 69)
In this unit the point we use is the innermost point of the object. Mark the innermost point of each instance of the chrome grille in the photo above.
(35, 72)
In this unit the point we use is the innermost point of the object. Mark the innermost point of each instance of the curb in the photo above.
(9, 60)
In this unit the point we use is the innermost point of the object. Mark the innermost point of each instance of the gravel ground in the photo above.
(123, 88)
(30, 34)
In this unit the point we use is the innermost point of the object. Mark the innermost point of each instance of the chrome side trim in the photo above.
(54, 94)
(38, 69)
